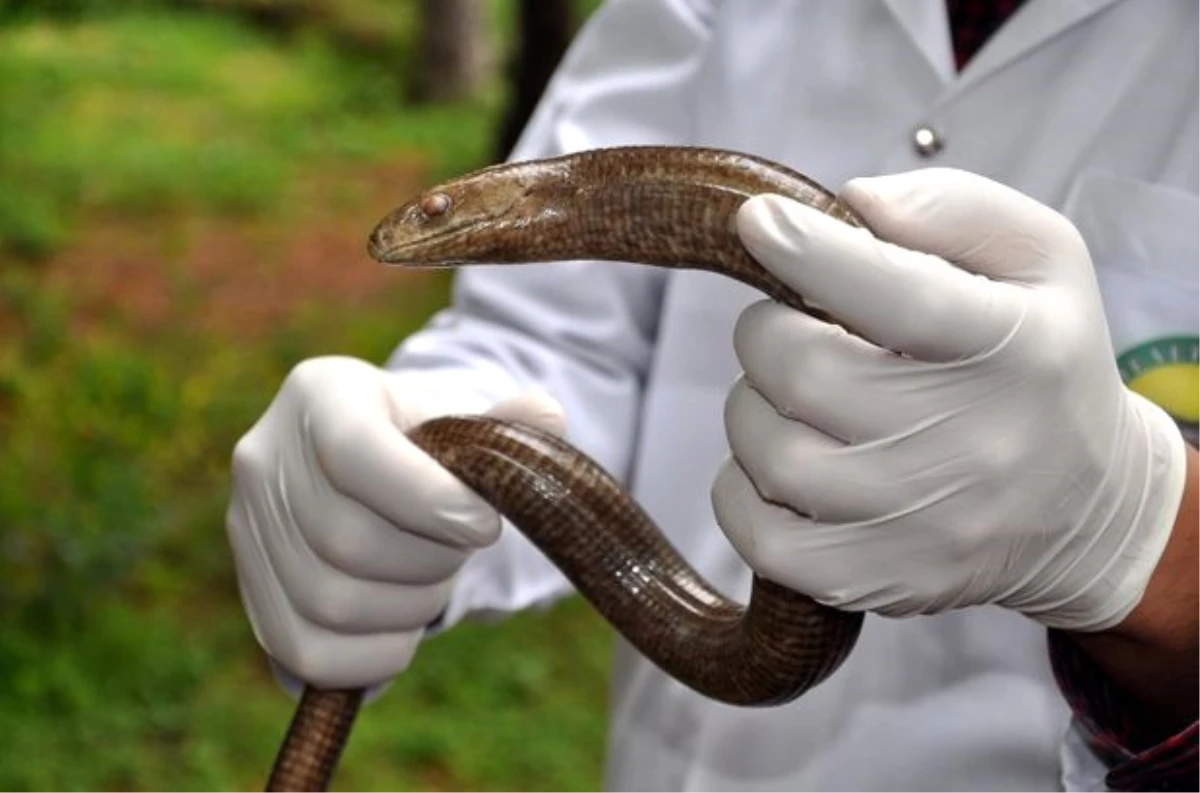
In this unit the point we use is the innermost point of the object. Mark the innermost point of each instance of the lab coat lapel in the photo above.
(926, 24)
(1036, 22)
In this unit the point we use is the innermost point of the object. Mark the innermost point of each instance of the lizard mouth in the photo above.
(427, 250)
(378, 244)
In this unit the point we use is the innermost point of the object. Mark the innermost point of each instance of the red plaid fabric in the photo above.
(972, 23)
(1136, 760)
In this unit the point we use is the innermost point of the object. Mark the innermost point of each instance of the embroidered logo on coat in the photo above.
(1167, 372)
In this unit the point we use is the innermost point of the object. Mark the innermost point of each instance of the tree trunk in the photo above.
(544, 29)
(453, 51)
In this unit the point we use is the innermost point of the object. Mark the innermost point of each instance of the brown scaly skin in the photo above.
(663, 206)
(668, 206)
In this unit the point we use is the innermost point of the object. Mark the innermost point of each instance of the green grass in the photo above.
(130, 701)
(152, 108)
(148, 111)
(125, 659)
(125, 656)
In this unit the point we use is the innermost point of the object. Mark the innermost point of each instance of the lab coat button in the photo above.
(927, 141)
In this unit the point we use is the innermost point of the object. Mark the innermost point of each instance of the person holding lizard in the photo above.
(970, 469)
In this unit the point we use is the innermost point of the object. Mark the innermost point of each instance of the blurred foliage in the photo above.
(71, 8)
(112, 450)
(125, 659)
(138, 105)
(146, 110)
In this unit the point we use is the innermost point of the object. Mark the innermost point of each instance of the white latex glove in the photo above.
(347, 536)
(974, 445)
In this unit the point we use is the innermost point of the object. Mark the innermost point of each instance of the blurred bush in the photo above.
(146, 110)
(111, 453)
(73, 8)
(125, 659)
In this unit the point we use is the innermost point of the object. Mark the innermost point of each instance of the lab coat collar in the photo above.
(926, 24)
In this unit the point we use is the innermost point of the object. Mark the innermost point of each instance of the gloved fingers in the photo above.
(817, 373)
(367, 458)
(353, 538)
(899, 299)
(797, 466)
(316, 655)
(341, 532)
(536, 408)
(350, 537)
(743, 515)
(791, 549)
(856, 566)
(327, 660)
(294, 579)
(352, 606)
(978, 224)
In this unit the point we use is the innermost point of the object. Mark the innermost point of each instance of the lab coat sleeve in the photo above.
(583, 331)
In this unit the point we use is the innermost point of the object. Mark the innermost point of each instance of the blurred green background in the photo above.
(185, 191)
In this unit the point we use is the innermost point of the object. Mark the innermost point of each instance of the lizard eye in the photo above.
(435, 204)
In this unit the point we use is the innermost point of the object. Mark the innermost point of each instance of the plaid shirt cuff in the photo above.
(1135, 759)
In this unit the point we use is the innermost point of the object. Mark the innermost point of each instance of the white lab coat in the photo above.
(1074, 102)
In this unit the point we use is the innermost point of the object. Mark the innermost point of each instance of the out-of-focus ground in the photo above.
(184, 201)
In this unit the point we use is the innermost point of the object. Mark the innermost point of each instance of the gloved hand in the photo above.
(346, 536)
(972, 443)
